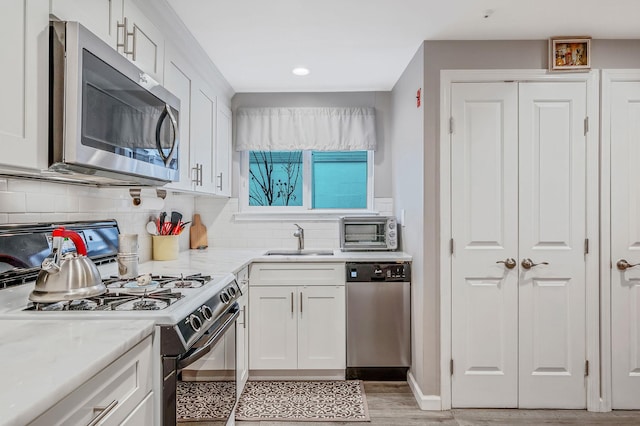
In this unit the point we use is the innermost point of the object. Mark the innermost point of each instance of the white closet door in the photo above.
(484, 169)
(552, 191)
(625, 244)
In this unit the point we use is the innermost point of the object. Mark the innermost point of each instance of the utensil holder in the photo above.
(165, 247)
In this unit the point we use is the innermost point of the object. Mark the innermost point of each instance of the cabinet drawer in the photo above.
(297, 273)
(127, 381)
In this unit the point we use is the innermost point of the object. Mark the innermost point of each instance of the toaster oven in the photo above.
(365, 233)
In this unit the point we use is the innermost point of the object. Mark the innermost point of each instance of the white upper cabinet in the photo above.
(143, 43)
(223, 151)
(98, 16)
(121, 24)
(24, 83)
(178, 80)
(203, 138)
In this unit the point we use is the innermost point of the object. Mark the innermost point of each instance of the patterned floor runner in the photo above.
(200, 401)
(336, 400)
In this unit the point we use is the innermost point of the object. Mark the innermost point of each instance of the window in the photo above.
(307, 180)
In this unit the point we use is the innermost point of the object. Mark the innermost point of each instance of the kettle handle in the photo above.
(81, 248)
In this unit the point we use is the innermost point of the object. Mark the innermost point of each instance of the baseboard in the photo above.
(425, 402)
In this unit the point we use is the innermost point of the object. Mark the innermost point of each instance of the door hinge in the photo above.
(451, 246)
(586, 368)
(586, 246)
(451, 366)
(450, 125)
(586, 125)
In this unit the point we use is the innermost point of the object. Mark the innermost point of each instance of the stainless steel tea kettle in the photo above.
(67, 276)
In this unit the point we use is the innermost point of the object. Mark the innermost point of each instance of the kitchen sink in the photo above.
(299, 253)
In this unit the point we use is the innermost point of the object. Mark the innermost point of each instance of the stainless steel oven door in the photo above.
(219, 343)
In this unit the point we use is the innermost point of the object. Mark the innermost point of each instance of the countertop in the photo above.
(222, 260)
(45, 360)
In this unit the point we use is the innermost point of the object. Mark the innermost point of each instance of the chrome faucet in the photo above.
(299, 233)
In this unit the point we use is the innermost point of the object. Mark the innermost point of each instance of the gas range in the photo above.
(193, 311)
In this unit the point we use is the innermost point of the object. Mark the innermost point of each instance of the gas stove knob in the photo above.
(232, 291)
(224, 297)
(207, 313)
(195, 322)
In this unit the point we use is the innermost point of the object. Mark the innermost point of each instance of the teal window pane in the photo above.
(275, 178)
(339, 179)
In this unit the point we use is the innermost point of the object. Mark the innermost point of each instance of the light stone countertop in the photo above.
(45, 360)
(223, 260)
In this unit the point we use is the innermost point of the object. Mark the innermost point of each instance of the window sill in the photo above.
(300, 216)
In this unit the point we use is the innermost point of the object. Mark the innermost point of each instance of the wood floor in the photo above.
(393, 404)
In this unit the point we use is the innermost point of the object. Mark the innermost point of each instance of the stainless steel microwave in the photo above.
(364, 233)
(108, 119)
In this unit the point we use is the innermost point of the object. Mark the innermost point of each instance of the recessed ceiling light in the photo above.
(300, 71)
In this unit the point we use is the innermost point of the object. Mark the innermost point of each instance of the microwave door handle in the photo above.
(166, 112)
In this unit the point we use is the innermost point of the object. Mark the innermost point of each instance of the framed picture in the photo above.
(569, 53)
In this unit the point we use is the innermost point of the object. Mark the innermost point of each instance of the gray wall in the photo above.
(408, 195)
(381, 101)
(449, 55)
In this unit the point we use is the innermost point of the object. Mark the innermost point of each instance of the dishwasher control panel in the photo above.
(378, 271)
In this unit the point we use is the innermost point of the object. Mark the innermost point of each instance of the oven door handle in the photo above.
(212, 340)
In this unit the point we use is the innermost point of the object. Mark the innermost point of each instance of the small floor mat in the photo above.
(334, 400)
(204, 401)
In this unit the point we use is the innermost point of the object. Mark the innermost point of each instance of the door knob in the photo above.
(623, 265)
(528, 263)
(509, 263)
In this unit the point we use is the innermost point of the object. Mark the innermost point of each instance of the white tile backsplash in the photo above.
(13, 202)
(223, 231)
(28, 201)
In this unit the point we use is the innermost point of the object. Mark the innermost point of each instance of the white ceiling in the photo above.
(359, 45)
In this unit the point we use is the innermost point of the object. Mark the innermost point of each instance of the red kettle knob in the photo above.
(73, 236)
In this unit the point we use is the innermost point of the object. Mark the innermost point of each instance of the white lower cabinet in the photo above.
(119, 394)
(242, 331)
(297, 326)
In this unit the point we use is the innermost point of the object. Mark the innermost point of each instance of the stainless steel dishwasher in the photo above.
(378, 320)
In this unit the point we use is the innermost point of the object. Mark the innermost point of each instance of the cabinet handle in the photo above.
(300, 303)
(219, 186)
(125, 34)
(103, 411)
(198, 177)
(291, 303)
(133, 49)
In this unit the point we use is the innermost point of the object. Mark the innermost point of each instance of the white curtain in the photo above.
(321, 129)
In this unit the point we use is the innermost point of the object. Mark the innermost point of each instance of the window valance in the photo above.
(321, 129)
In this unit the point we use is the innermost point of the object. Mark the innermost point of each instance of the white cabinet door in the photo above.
(625, 244)
(242, 345)
(485, 230)
(203, 138)
(518, 192)
(552, 229)
(321, 328)
(178, 80)
(223, 151)
(273, 340)
(24, 83)
(99, 16)
(142, 414)
(144, 40)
